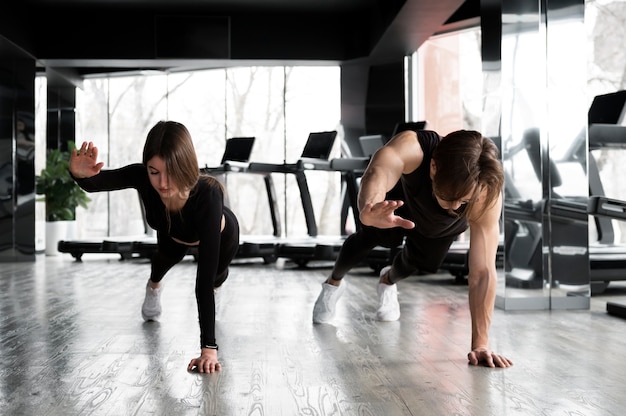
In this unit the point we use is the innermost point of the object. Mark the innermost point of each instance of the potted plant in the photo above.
(61, 194)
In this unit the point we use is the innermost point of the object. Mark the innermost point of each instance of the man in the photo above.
(448, 185)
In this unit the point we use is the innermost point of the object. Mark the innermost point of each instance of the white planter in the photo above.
(55, 232)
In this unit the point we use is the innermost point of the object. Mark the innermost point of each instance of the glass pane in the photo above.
(136, 104)
(196, 99)
(313, 105)
(215, 105)
(92, 125)
(450, 87)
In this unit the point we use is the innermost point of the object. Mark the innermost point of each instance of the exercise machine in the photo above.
(234, 159)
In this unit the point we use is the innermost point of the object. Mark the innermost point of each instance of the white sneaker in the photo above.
(324, 309)
(151, 308)
(388, 306)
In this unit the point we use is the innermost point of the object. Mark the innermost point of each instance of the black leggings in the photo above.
(162, 262)
(418, 253)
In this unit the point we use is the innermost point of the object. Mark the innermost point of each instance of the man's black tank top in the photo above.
(421, 206)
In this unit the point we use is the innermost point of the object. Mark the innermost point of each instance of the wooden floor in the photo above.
(73, 343)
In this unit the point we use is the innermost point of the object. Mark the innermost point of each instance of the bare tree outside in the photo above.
(117, 112)
(606, 31)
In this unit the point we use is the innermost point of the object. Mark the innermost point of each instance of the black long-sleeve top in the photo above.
(198, 221)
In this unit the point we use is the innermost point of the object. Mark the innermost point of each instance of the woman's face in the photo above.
(159, 179)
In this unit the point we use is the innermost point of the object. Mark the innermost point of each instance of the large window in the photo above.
(449, 91)
(605, 21)
(449, 82)
(279, 106)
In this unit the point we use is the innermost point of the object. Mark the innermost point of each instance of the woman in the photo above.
(185, 208)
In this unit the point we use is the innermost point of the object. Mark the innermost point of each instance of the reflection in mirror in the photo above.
(523, 112)
(543, 119)
(25, 183)
(566, 127)
(523, 222)
(17, 174)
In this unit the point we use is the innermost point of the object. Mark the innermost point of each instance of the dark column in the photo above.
(385, 98)
(354, 78)
(372, 99)
(17, 154)
(61, 116)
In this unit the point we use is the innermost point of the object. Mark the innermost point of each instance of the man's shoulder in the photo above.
(428, 136)
(485, 212)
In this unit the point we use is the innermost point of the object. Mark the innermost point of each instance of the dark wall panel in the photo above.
(385, 98)
(353, 102)
(372, 100)
(197, 37)
(17, 153)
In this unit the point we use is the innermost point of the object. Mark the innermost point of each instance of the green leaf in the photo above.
(61, 193)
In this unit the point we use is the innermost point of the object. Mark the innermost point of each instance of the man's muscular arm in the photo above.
(402, 154)
(484, 237)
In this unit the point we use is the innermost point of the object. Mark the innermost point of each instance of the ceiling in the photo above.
(84, 37)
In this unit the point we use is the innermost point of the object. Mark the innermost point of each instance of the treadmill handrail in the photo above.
(349, 164)
(297, 169)
(607, 207)
(607, 135)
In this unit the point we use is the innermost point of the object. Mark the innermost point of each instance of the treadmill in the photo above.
(607, 259)
(605, 131)
(315, 156)
(234, 159)
(352, 168)
(604, 207)
(128, 247)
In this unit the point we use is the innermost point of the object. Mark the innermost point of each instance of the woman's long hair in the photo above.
(172, 142)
